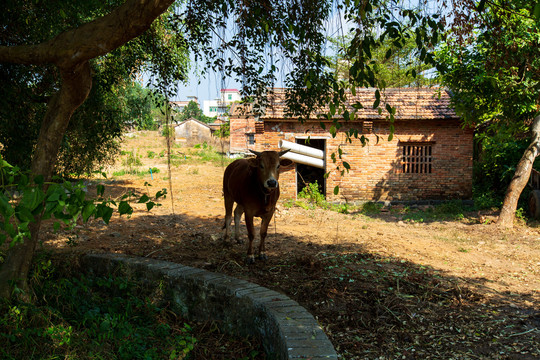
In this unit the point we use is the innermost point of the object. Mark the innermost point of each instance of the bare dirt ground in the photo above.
(381, 287)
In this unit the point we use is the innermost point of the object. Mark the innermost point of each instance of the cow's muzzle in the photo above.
(271, 183)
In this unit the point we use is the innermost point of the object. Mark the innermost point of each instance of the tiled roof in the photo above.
(410, 103)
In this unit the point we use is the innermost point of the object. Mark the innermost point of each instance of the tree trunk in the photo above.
(521, 177)
(70, 52)
(76, 84)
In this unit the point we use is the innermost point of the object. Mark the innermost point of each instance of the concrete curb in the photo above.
(286, 329)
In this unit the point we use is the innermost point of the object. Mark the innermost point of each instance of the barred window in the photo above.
(416, 158)
(250, 139)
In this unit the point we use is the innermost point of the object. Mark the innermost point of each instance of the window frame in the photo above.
(416, 157)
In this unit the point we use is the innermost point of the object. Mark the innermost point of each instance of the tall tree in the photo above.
(70, 52)
(492, 63)
(193, 111)
(93, 133)
(394, 63)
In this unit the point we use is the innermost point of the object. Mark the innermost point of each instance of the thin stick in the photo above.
(168, 124)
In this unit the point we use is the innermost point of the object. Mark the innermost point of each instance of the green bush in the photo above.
(313, 195)
(132, 159)
(86, 318)
(371, 208)
(168, 131)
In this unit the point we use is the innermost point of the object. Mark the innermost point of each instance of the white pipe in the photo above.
(303, 159)
(301, 149)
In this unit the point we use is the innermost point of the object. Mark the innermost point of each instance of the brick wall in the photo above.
(376, 172)
(240, 126)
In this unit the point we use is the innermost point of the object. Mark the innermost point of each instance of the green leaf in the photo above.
(100, 189)
(125, 208)
(39, 179)
(9, 229)
(346, 165)
(536, 11)
(6, 210)
(53, 197)
(23, 214)
(88, 210)
(107, 214)
(143, 199)
(336, 190)
(161, 193)
(150, 205)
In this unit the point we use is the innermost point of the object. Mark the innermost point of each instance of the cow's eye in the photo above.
(277, 167)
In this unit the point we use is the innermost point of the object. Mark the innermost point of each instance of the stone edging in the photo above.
(287, 330)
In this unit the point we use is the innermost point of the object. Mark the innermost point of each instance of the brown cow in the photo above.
(253, 185)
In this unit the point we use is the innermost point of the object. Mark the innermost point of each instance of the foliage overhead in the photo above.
(393, 66)
(492, 64)
(115, 103)
(292, 35)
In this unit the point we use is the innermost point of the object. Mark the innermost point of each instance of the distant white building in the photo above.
(218, 107)
(180, 105)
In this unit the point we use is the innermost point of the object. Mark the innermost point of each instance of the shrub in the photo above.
(371, 208)
(132, 159)
(86, 317)
(312, 193)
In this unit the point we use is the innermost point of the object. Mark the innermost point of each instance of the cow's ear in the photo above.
(285, 162)
(253, 162)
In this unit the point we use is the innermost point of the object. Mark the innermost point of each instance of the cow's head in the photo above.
(267, 164)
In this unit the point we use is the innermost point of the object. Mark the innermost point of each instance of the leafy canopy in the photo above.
(193, 111)
(116, 101)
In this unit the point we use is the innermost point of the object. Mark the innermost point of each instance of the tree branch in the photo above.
(97, 37)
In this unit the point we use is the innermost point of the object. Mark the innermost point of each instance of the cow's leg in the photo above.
(229, 202)
(251, 236)
(264, 230)
(237, 215)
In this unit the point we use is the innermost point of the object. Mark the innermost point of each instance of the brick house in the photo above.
(428, 158)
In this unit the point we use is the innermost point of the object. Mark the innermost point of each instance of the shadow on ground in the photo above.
(370, 306)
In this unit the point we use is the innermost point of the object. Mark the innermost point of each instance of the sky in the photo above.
(208, 88)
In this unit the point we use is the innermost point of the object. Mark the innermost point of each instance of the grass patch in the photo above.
(371, 208)
(207, 153)
(132, 159)
(451, 210)
(135, 172)
(88, 318)
(80, 317)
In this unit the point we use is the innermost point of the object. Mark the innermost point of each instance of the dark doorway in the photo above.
(306, 174)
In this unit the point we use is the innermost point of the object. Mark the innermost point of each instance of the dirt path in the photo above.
(496, 263)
